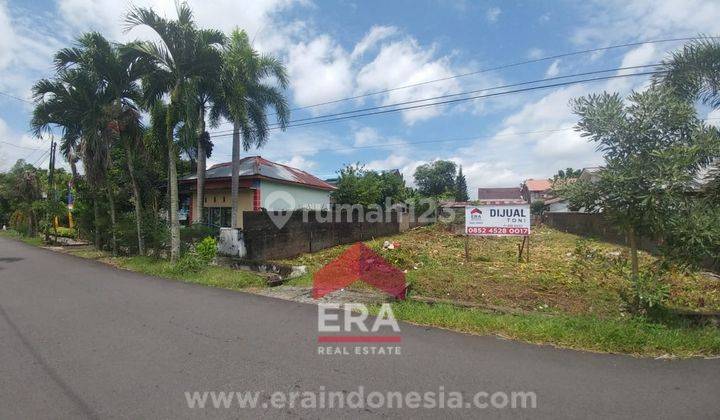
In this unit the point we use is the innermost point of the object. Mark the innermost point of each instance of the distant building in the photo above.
(332, 181)
(536, 189)
(591, 174)
(291, 189)
(557, 204)
(504, 195)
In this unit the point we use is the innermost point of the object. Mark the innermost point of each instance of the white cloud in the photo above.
(319, 71)
(535, 53)
(713, 118)
(25, 48)
(554, 69)
(366, 136)
(404, 164)
(492, 14)
(22, 146)
(299, 162)
(106, 15)
(613, 20)
(402, 63)
(375, 35)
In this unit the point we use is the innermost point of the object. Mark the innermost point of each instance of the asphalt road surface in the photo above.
(79, 339)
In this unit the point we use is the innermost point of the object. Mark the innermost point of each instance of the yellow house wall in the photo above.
(221, 198)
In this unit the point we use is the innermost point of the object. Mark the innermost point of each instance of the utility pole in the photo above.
(51, 169)
(51, 197)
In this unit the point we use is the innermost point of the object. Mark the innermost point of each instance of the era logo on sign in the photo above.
(359, 263)
(354, 318)
(476, 214)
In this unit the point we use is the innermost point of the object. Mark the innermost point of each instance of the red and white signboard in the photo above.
(498, 220)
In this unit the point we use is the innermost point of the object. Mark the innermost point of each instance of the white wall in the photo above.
(291, 197)
(560, 206)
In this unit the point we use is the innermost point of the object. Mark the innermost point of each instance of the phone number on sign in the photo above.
(497, 231)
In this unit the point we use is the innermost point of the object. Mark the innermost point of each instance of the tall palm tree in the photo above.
(181, 53)
(247, 93)
(200, 93)
(118, 74)
(73, 102)
(694, 73)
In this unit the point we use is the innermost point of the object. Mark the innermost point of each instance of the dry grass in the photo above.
(556, 279)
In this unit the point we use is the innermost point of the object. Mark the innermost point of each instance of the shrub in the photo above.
(207, 249)
(198, 257)
(537, 207)
(65, 232)
(647, 291)
(196, 232)
(19, 222)
(191, 262)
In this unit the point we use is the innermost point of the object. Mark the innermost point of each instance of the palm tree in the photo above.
(181, 53)
(246, 95)
(200, 93)
(72, 102)
(119, 74)
(694, 73)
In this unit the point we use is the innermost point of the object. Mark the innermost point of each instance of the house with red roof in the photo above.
(263, 184)
(499, 196)
(537, 189)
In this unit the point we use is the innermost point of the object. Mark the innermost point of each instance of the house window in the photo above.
(218, 216)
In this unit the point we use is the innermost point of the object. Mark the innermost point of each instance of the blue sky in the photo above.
(346, 48)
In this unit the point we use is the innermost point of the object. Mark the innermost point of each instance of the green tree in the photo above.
(180, 53)
(247, 91)
(21, 187)
(436, 179)
(461, 192)
(357, 185)
(118, 75)
(200, 93)
(74, 102)
(537, 207)
(653, 148)
(567, 173)
(692, 73)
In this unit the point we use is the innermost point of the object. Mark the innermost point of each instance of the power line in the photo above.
(412, 143)
(41, 158)
(20, 147)
(16, 97)
(504, 66)
(449, 101)
(465, 93)
(452, 140)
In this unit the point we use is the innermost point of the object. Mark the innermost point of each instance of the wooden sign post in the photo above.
(524, 246)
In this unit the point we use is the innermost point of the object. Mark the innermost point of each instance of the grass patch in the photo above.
(31, 240)
(558, 279)
(636, 336)
(213, 276)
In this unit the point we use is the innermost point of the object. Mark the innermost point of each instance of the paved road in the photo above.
(79, 339)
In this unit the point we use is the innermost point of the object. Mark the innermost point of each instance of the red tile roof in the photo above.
(259, 167)
(538, 184)
(510, 193)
